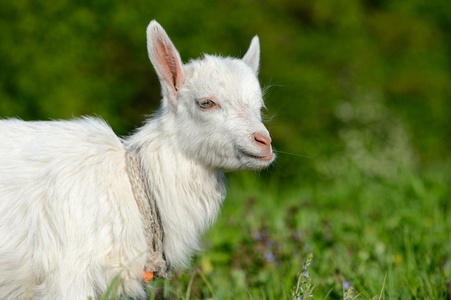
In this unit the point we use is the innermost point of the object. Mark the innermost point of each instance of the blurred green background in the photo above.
(363, 88)
(326, 64)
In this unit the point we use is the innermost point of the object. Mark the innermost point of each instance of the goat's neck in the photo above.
(188, 194)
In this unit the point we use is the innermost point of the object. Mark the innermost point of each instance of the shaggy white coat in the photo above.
(69, 222)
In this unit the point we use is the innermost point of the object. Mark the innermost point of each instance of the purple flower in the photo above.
(307, 275)
(446, 265)
(346, 285)
(269, 256)
(256, 235)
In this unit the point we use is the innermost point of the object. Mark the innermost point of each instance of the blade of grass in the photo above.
(207, 283)
(166, 288)
(328, 293)
(190, 284)
(383, 286)
(112, 286)
(292, 154)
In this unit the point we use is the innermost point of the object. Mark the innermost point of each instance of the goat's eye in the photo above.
(206, 103)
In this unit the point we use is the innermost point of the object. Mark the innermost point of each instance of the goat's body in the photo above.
(69, 221)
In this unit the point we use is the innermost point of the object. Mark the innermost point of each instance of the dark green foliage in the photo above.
(66, 59)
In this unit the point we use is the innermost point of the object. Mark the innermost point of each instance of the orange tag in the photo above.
(147, 276)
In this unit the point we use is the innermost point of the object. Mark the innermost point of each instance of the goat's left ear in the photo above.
(252, 56)
(166, 61)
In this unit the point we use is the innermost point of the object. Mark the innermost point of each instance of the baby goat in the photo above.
(80, 206)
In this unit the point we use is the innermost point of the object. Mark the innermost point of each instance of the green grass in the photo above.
(390, 238)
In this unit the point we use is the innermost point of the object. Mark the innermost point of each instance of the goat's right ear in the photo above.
(252, 56)
(166, 61)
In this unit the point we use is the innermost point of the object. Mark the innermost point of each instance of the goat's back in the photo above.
(64, 193)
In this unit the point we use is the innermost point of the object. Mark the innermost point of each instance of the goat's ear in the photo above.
(166, 61)
(252, 56)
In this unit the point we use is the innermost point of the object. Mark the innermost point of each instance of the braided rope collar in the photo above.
(156, 263)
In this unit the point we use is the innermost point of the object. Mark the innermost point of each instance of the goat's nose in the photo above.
(263, 141)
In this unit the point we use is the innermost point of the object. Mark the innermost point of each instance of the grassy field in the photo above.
(390, 238)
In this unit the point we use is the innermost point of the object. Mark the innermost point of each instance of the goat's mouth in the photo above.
(258, 157)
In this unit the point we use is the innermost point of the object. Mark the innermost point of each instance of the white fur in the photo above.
(68, 220)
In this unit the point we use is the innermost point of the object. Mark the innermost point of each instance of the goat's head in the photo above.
(212, 105)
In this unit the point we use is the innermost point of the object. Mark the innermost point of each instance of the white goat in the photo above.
(69, 220)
